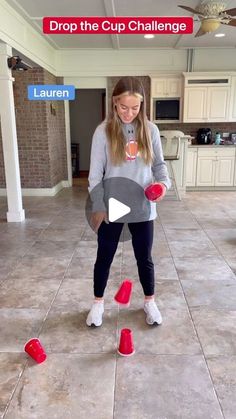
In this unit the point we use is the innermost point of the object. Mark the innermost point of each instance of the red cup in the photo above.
(123, 294)
(153, 191)
(126, 346)
(34, 348)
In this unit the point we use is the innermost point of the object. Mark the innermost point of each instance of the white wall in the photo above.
(214, 59)
(103, 63)
(87, 82)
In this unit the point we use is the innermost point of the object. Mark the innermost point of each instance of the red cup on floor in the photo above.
(126, 346)
(123, 294)
(34, 348)
(153, 191)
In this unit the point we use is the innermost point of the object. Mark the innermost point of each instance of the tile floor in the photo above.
(185, 368)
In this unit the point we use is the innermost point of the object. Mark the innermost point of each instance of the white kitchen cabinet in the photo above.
(218, 103)
(232, 107)
(206, 104)
(191, 169)
(224, 175)
(215, 167)
(205, 171)
(166, 87)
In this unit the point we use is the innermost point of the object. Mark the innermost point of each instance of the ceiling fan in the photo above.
(211, 15)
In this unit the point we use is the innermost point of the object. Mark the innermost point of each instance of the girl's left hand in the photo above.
(163, 194)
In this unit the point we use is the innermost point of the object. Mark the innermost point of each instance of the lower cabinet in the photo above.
(224, 175)
(191, 169)
(211, 167)
(205, 171)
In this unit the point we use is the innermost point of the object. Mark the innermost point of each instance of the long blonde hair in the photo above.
(128, 86)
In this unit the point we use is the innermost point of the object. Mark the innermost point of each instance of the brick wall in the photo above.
(56, 135)
(40, 134)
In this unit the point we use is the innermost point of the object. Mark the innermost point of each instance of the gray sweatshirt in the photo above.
(134, 168)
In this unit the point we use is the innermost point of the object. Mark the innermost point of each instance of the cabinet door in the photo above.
(217, 103)
(159, 88)
(224, 175)
(174, 87)
(206, 171)
(166, 87)
(191, 167)
(195, 104)
(232, 110)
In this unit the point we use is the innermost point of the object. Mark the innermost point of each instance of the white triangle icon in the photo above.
(116, 209)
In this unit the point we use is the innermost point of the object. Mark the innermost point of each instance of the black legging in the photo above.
(108, 239)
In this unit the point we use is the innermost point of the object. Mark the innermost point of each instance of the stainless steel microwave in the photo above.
(166, 109)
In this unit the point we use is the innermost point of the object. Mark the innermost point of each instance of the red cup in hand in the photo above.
(154, 191)
(126, 346)
(34, 348)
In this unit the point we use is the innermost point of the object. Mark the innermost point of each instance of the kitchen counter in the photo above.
(211, 167)
(212, 145)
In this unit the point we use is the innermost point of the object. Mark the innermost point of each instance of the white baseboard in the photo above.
(40, 191)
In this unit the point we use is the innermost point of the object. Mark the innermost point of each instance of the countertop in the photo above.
(212, 145)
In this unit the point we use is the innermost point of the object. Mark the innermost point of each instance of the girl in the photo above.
(126, 145)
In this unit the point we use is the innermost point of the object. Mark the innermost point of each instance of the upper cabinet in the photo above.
(209, 104)
(203, 97)
(232, 106)
(206, 98)
(169, 87)
(166, 99)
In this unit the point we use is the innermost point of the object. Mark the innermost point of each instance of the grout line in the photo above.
(195, 329)
(14, 390)
(115, 377)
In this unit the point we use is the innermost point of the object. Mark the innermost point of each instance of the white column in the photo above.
(9, 139)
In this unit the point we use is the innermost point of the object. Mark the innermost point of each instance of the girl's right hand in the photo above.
(97, 218)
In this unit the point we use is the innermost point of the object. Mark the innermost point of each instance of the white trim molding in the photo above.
(41, 191)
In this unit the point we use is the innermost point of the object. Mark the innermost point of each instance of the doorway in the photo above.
(87, 111)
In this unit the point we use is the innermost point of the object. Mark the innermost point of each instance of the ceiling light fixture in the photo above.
(210, 25)
(219, 35)
(149, 36)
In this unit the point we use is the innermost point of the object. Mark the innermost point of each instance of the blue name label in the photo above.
(51, 92)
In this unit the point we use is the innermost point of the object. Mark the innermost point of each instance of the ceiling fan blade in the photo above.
(231, 23)
(231, 12)
(189, 9)
(200, 32)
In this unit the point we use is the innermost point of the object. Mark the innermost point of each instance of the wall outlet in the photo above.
(225, 135)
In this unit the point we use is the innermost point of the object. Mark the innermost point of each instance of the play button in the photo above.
(116, 209)
(123, 200)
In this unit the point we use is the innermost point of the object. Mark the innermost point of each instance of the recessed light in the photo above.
(149, 36)
(219, 35)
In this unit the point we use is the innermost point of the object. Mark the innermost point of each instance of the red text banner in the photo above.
(118, 25)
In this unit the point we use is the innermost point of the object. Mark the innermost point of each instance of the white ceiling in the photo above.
(33, 11)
